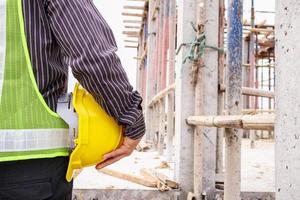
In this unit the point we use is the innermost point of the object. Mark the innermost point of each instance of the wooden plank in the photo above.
(255, 111)
(133, 14)
(253, 92)
(132, 27)
(159, 177)
(257, 92)
(132, 21)
(161, 94)
(131, 41)
(133, 36)
(261, 30)
(129, 177)
(131, 33)
(134, 47)
(134, 7)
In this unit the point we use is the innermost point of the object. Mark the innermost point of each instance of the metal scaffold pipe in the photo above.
(233, 100)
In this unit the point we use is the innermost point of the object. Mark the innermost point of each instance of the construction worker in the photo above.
(39, 40)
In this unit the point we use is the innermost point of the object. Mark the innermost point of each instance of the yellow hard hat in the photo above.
(98, 133)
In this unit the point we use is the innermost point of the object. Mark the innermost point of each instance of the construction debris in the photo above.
(163, 165)
(142, 146)
(148, 178)
(129, 177)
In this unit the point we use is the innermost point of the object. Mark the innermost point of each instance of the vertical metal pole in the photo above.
(233, 99)
(171, 76)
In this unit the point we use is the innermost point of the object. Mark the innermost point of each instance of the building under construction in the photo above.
(219, 81)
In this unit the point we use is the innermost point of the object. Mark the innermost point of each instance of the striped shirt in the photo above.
(62, 33)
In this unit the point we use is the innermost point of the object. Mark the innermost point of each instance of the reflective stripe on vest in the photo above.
(36, 139)
(28, 127)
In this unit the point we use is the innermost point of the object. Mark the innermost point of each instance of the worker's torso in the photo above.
(28, 127)
(49, 68)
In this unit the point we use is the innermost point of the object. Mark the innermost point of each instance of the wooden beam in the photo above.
(132, 33)
(133, 36)
(261, 30)
(133, 27)
(132, 21)
(257, 92)
(255, 111)
(128, 177)
(160, 178)
(134, 7)
(161, 94)
(253, 92)
(133, 14)
(248, 122)
(133, 47)
(131, 41)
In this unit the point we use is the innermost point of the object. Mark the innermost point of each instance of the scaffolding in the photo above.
(206, 76)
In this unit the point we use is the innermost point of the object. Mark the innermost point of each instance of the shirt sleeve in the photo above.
(89, 47)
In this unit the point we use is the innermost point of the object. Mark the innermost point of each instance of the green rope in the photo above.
(198, 47)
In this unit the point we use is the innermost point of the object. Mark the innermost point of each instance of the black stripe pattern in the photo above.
(62, 33)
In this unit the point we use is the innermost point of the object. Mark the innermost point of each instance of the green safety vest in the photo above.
(28, 127)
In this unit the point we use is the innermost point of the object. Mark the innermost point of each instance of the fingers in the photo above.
(110, 161)
(124, 150)
(116, 153)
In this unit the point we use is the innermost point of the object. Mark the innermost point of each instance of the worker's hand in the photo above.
(124, 150)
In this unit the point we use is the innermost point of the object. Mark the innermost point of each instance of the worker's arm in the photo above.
(88, 46)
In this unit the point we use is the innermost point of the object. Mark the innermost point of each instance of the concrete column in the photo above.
(184, 134)
(287, 91)
(206, 101)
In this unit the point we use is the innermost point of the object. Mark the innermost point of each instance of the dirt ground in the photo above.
(258, 173)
